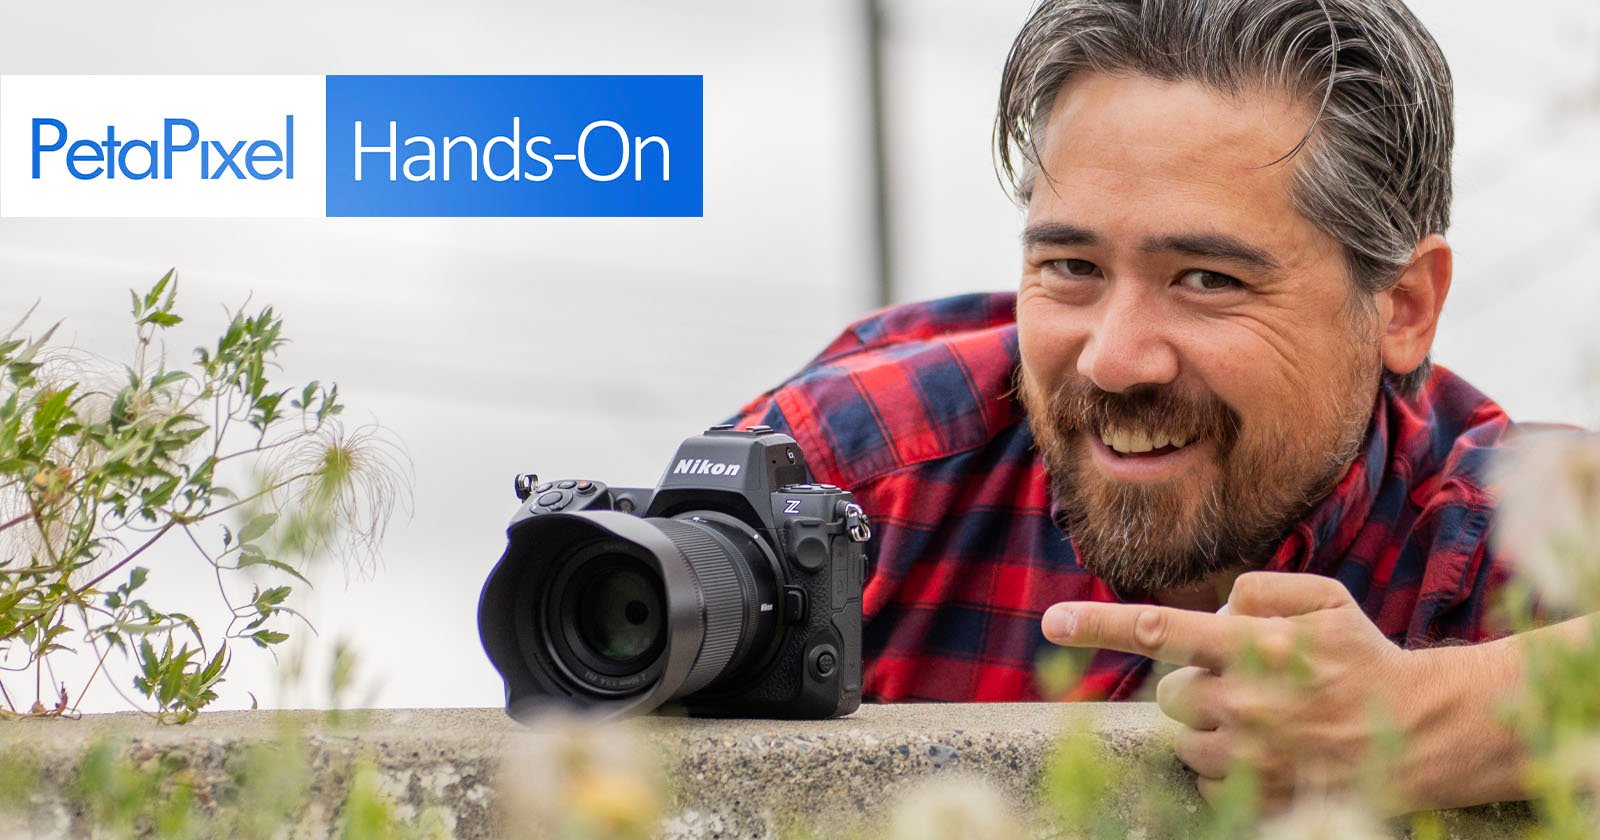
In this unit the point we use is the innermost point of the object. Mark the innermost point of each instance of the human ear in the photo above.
(1410, 308)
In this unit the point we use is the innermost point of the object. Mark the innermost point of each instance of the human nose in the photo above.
(1127, 346)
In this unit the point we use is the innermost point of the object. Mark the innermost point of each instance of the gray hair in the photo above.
(1374, 168)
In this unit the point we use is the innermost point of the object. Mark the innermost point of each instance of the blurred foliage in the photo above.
(1550, 525)
(120, 790)
(99, 465)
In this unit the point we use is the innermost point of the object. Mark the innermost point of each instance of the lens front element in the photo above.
(620, 613)
(605, 617)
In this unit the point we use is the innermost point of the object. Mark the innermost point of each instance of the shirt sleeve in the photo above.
(762, 411)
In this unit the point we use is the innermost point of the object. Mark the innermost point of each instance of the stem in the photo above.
(7, 695)
(105, 574)
(98, 665)
(217, 569)
(17, 521)
(44, 538)
(30, 570)
(117, 688)
(256, 450)
(53, 681)
(258, 494)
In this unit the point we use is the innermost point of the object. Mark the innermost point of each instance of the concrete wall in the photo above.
(475, 773)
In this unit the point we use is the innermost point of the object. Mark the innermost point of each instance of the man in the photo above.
(1212, 394)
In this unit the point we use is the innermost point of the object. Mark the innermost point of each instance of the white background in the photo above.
(224, 109)
(589, 347)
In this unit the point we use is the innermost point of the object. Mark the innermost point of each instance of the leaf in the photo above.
(161, 494)
(54, 407)
(272, 597)
(11, 599)
(172, 677)
(148, 661)
(253, 556)
(118, 418)
(256, 527)
(265, 638)
(168, 378)
(154, 295)
(213, 670)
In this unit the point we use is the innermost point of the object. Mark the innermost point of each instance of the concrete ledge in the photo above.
(725, 778)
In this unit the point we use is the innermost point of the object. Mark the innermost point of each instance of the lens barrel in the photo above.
(623, 614)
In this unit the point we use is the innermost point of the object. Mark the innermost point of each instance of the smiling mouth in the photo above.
(1128, 442)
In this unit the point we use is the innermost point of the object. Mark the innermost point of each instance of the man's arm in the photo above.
(1460, 751)
(1293, 677)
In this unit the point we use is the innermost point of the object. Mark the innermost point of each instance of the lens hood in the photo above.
(703, 599)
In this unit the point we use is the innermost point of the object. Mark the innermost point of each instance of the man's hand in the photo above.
(1290, 676)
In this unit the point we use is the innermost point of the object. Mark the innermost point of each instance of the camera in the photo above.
(733, 588)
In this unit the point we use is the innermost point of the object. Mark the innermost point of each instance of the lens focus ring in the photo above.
(719, 585)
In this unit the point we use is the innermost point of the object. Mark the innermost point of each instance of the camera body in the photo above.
(771, 602)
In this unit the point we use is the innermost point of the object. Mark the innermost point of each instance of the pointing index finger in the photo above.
(1181, 637)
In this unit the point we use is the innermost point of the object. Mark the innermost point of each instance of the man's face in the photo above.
(1194, 370)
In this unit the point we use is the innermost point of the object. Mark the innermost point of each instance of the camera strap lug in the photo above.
(855, 520)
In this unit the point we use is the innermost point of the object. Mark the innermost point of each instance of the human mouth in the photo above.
(1144, 455)
(1129, 441)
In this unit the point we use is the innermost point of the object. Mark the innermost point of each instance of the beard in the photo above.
(1145, 537)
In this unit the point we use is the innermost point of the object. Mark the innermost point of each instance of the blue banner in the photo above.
(514, 145)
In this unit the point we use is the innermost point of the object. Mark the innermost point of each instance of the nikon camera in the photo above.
(731, 589)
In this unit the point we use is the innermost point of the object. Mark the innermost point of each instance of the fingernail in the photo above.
(1059, 622)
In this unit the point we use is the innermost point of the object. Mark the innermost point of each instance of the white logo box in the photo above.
(226, 111)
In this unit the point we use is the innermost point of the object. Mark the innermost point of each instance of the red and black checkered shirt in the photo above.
(912, 410)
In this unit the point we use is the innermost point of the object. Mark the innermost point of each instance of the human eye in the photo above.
(1200, 280)
(1074, 268)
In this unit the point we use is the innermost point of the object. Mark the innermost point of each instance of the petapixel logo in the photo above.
(164, 146)
(159, 157)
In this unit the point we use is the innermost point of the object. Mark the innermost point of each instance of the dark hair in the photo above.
(1373, 169)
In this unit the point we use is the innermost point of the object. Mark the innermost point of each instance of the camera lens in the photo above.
(605, 617)
(604, 608)
(621, 615)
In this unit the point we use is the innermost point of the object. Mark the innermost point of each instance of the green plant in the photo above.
(98, 466)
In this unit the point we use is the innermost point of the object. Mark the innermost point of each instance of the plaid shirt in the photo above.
(912, 410)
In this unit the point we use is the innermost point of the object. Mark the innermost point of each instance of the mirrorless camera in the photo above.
(733, 588)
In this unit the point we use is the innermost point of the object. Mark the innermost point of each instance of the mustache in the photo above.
(1079, 405)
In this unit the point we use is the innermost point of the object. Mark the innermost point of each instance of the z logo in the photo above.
(791, 505)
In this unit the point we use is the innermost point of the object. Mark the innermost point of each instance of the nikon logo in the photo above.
(702, 466)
